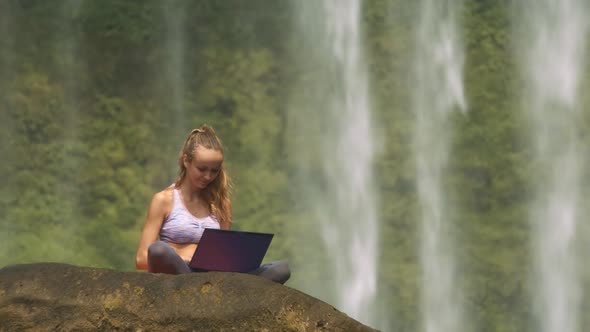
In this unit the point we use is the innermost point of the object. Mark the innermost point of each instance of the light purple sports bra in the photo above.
(181, 226)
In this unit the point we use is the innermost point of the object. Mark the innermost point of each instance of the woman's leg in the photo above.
(276, 271)
(163, 259)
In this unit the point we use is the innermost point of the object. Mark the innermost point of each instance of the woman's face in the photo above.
(204, 168)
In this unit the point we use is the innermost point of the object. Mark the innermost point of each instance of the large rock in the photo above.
(60, 297)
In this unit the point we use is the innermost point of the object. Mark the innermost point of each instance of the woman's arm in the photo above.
(157, 212)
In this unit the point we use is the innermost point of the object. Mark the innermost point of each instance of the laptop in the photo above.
(230, 251)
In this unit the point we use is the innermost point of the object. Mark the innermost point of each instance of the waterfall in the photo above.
(70, 66)
(553, 44)
(71, 71)
(7, 31)
(438, 92)
(6, 42)
(174, 18)
(334, 147)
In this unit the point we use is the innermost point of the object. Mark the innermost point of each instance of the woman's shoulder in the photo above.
(164, 198)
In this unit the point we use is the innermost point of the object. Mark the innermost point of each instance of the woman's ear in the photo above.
(185, 161)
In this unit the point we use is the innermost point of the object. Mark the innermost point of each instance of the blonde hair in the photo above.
(217, 193)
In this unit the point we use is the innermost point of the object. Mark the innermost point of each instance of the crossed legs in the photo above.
(163, 259)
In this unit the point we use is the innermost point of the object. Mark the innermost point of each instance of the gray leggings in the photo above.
(163, 259)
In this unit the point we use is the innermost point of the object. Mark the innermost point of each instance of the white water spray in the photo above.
(6, 41)
(71, 69)
(71, 72)
(555, 41)
(438, 93)
(338, 123)
(174, 18)
(6, 73)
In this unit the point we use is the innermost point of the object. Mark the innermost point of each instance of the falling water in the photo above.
(174, 18)
(71, 71)
(6, 64)
(6, 43)
(438, 93)
(70, 68)
(554, 37)
(337, 121)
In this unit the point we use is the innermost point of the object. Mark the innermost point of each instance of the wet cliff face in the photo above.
(50, 296)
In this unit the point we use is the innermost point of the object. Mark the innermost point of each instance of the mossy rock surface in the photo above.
(61, 297)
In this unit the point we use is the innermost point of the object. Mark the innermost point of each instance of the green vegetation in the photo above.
(88, 134)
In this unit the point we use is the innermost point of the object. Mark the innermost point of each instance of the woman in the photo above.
(199, 199)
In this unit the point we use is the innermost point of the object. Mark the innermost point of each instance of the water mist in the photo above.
(438, 92)
(336, 145)
(174, 18)
(554, 41)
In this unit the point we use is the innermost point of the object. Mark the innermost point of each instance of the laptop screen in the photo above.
(230, 251)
